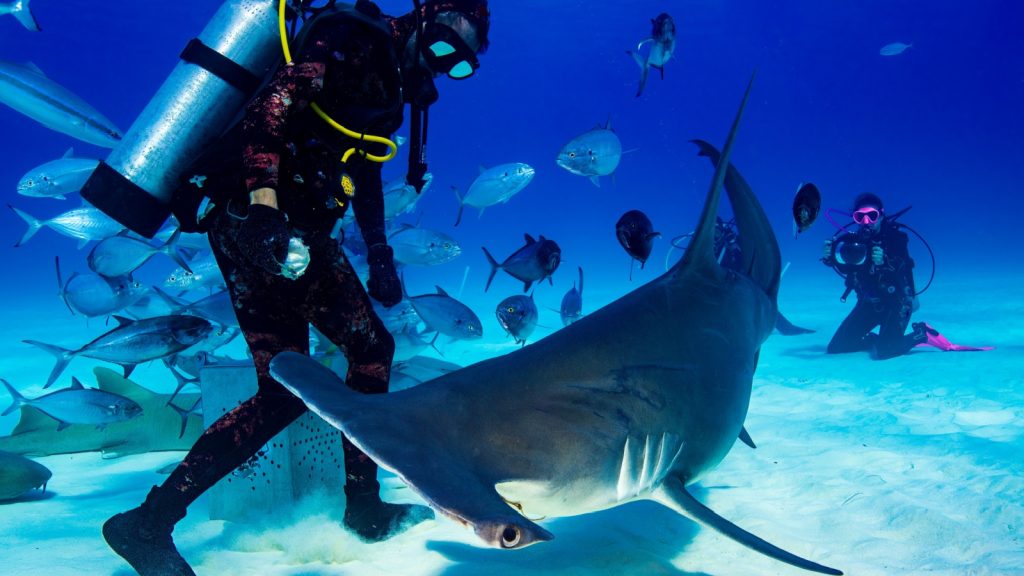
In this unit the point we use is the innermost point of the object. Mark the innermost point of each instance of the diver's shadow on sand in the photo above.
(639, 538)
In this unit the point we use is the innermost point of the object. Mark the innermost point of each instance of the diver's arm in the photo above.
(368, 203)
(292, 88)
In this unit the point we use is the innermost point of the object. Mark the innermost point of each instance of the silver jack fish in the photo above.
(121, 255)
(77, 405)
(572, 303)
(592, 154)
(661, 45)
(25, 88)
(133, 342)
(421, 247)
(92, 295)
(83, 224)
(495, 185)
(57, 178)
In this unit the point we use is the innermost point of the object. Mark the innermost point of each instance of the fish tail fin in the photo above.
(17, 399)
(170, 248)
(60, 286)
(23, 13)
(63, 356)
(643, 79)
(461, 205)
(636, 58)
(494, 268)
(184, 414)
(34, 225)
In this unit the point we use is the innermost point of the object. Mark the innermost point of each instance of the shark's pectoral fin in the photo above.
(745, 438)
(673, 494)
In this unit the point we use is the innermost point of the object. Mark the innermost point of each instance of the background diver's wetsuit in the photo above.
(885, 298)
(351, 70)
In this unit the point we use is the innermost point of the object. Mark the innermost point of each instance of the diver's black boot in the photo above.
(374, 520)
(142, 536)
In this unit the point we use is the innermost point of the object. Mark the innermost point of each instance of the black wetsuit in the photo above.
(350, 70)
(885, 298)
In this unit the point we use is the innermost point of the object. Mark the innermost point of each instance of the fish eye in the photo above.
(572, 154)
(510, 537)
(510, 309)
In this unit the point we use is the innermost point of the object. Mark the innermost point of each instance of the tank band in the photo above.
(220, 66)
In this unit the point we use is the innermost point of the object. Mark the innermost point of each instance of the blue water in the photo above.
(938, 127)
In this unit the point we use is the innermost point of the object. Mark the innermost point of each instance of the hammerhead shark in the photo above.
(634, 401)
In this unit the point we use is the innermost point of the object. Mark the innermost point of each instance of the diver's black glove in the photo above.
(263, 237)
(383, 285)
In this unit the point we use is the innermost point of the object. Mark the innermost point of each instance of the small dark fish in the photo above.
(518, 316)
(806, 205)
(535, 261)
(134, 342)
(572, 303)
(636, 234)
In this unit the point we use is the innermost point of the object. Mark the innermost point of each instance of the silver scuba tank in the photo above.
(219, 72)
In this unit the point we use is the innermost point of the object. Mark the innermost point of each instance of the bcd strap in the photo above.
(220, 66)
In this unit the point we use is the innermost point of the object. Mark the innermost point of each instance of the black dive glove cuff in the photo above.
(383, 285)
(263, 238)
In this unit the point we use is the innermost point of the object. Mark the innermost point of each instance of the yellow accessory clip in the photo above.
(346, 181)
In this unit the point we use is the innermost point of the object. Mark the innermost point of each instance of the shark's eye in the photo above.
(510, 537)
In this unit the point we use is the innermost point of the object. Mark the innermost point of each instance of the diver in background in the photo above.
(280, 175)
(878, 267)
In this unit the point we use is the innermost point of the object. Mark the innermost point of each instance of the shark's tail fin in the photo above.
(185, 414)
(23, 14)
(63, 357)
(34, 225)
(494, 268)
(17, 399)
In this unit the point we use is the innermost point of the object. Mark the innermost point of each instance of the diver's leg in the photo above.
(143, 535)
(340, 308)
(892, 340)
(853, 333)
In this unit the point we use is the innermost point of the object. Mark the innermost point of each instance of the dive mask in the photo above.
(866, 215)
(447, 53)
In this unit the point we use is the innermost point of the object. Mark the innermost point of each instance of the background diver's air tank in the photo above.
(218, 73)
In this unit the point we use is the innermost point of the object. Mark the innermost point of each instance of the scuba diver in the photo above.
(877, 266)
(278, 191)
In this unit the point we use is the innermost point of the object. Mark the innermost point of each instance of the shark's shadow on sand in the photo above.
(635, 401)
(618, 541)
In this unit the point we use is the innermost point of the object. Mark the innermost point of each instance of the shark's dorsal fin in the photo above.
(32, 419)
(110, 381)
(700, 253)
